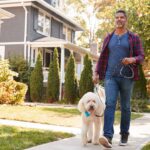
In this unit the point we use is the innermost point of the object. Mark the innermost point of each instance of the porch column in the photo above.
(28, 53)
(82, 62)
(62, 69)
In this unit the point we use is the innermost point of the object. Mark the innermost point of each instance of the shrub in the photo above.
(36, 81)
(139, 90)
(19, 65)
(138, 105)
(11, 92)
(70, 81)
(86, 81)
(53, 78)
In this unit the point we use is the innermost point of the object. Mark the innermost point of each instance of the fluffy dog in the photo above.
(92, 107)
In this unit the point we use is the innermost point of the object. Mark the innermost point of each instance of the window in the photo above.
(47, 26)
(64, 30)
(69, 35)
(44, 23)
(55, 3)
(41, 22)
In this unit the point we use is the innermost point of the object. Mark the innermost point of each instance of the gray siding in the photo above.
(14, 50)
(13, 29)
(60, 26)
(32, 24)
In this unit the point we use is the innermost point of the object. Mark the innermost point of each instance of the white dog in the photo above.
(92, 107)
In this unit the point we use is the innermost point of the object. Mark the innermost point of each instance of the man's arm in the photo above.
(138, 52)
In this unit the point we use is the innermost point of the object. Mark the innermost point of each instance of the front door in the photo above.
(48, 57)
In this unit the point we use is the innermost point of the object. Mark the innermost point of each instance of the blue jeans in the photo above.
(113, 87)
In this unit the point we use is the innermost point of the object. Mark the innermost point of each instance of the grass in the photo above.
(15, 138)
(146, 147)
(133, 116)
(48, 115)
(147, 109)
(63, 111)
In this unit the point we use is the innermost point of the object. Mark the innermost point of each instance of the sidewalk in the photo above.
(139, 134)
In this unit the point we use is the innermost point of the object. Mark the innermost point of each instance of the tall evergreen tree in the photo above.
(86, 82)
(36, 81)
(53, 78)
(70, 81)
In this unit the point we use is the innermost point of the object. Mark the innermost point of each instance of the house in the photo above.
(3, 15)
(41, 25)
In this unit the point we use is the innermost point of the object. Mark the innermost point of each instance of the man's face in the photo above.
(120, 20)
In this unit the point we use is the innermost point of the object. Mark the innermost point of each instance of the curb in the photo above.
(143, 144)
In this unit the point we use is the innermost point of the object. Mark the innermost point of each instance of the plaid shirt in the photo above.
(136, 51)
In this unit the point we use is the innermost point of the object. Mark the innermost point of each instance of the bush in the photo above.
(139, 90)
(138, 105)
(86, 81)
(53, 78)
(19, 65)
(11, 92)
(36, 81)
(70, 81)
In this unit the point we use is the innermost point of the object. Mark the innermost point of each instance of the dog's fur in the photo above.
(95, 104)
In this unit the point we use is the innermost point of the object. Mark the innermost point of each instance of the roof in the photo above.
(5, 14)
(54, 42)
(46, 5)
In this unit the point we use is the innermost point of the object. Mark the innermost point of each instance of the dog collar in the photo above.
(87, 114)
(99, 115)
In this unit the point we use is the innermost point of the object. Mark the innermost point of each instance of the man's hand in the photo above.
(96, 78)
(127, 61)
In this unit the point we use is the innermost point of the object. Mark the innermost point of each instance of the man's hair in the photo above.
(121, 11)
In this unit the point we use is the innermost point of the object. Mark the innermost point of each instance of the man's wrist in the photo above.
(133, 60)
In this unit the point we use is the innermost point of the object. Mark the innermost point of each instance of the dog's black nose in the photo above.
(91, 107)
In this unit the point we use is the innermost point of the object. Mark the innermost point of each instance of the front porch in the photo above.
(47, 45)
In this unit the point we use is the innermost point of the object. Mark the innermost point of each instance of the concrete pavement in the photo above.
(139, 135)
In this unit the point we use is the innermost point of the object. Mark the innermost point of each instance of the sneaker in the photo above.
(105, 141)
(124, 139)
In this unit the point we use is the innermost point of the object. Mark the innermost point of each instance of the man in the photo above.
(121, 50)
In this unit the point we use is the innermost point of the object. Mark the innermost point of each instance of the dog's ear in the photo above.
(81, 107)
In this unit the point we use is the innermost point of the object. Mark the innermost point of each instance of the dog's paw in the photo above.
(84, 144)
(95, 142)
(89, 141)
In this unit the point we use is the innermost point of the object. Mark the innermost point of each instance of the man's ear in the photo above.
(81, 107)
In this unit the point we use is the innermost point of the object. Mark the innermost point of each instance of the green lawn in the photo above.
(146, 147)
(15, 138)
(133, 116)
(48, 115)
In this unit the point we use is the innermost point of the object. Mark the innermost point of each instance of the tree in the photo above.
(86, 82)
(36, 81)
(85, 13)
(70, 81)
(53, 78)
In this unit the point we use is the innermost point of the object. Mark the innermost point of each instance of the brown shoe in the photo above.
(105, 141)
